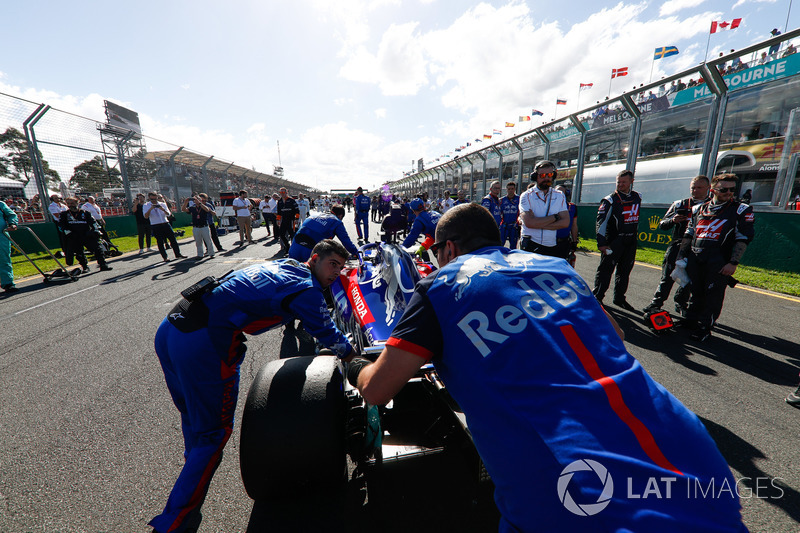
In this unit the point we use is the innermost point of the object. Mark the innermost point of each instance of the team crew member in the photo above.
(549, 389)
(462, 199)
(302, 206)
(200, 345)
(617, 224)
(492, 202)
(567, 237)
(157, 212)
(287, 211)
(424, 223)
(80, 230)
(361, 204)
(676, 219)
(8, 221)
(317, 228)
(715, 240)
(242, 206)
(509, 208)
(543, 212)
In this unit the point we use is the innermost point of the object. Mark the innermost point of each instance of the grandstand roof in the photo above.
(193, 159)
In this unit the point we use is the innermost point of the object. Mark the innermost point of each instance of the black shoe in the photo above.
(10, 288)
(624, 304)
(105, 268)
(652, 308)
(165, 259)
(701, 334)
(84, 269)
(681, 309)
(794, 398)
(221, 249)
(179, 256)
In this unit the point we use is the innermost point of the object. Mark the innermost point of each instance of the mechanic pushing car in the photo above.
(200, 345)
(424, 223)
(572, 430)
(317, 228)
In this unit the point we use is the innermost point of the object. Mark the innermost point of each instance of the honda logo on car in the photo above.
(360, 306)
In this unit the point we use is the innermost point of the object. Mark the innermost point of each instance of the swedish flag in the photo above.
(665, 51)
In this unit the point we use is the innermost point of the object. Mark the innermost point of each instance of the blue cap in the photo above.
(417, 204)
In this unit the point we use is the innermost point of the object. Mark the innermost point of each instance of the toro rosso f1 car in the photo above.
(302, 419)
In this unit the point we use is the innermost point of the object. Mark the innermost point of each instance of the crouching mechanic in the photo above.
(424, 223)
(554, 402)
(317, 228)
(200, 345)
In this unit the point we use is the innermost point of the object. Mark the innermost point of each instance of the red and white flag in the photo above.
(617, 72)
(586, 86)
(725, 25)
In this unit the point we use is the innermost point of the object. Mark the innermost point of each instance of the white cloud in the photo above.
(380, 112)
(186, 86)
(673, 6)
(742, 2)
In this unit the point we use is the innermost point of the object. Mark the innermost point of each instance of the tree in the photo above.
(15, 160)
(91, 176)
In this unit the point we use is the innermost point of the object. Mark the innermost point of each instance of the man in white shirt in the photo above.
(242, 207)
(157, 212)
(543, 211)
(447, 202)
(302, 205)
(57, 206)
(91, 206)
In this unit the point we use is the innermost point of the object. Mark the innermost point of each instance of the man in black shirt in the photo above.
(80, 229)
(142, 224)
(287, 211)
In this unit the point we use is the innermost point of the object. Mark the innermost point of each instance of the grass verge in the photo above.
(23, 268)
(772, 280)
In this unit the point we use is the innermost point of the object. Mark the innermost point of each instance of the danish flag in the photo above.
(724, 25)
(617, 72)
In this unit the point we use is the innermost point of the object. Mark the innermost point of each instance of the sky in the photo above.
(353, 90)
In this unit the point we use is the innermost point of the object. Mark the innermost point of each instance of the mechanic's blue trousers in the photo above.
(6, 270)
(509, 232)
(204, 384)
(362, 217)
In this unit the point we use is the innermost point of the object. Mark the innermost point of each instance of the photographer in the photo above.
(142, 224)
(677, 218)
(201, 232)
(157, 212)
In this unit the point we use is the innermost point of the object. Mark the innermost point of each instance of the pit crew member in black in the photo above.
(288, 211)
(80, 229)
(617, 224)
(676, 219)
(715, 240)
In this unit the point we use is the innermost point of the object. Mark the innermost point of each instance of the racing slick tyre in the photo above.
(293, 429)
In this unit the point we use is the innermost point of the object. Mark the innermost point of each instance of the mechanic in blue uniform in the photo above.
(424, 223)
(567, 237)
(361, 204)
(572, 430)
(200, 345)
(317, 228)
(492, 202)
(509, 209)
(715, 240)
(617, 230)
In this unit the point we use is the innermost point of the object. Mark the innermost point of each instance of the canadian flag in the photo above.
(617, 72)
(725, 25)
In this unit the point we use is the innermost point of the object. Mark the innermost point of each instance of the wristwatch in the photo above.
(557, 217)
(734, 263)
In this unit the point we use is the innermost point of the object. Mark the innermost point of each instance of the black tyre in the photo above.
(293, 429)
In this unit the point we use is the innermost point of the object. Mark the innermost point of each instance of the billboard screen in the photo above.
(122, 118)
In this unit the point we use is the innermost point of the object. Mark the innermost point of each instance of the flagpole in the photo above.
(705, 57)
(653, 64)
(787, 17)
(609, 84)
(578, 106)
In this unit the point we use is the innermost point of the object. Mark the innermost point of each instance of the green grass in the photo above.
(23, 268)
(772, 280)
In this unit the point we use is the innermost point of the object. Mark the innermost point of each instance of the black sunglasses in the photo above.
(725, 189)
(438, 245)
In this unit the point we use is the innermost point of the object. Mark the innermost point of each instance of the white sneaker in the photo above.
(149, 249)
(141, 251)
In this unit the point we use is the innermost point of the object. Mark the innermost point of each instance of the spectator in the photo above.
(142, 224)
(318, 228)
(8, 221)
(269, 208)
(543, 211)
(302, 206)
(546, 383)
(157, 213)
(492, 202)
(715, 240)
(242, 206)
(201, 347)
(747, 197)
(790, 49)
(509, 207)
(374, 209)
(212, 215)
(198, 210)
(617, 225)
(56, 207)
(361, 205)
(287, 212)
(447, 202)
(81, 230)
(773, 50)
(676, 219)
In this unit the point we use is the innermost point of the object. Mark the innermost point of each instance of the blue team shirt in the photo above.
(425, 224)
(572, 209)
(493, 205)
(317, 228)
(261, 297)
(548, 387)
(361, 203)
(509, 210)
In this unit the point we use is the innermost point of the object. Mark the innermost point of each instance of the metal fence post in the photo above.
(123, 170)
(33, 153)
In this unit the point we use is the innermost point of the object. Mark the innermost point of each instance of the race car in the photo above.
(302, 420)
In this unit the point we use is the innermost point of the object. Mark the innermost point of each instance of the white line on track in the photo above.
(54, 300)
